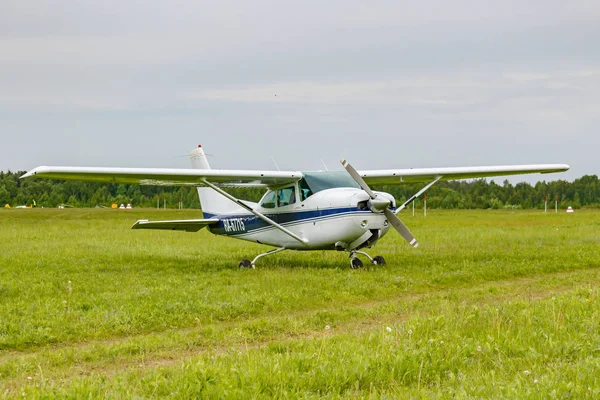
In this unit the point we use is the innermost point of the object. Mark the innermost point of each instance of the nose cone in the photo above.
(361, 199)
(379, 203)
(388, 197)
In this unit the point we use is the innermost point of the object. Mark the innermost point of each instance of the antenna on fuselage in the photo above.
(275, 162)
(324, 165)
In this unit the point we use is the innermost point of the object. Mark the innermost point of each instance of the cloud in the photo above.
(509, 78)
(516, 93)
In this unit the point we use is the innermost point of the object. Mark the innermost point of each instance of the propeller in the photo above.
(380, 205)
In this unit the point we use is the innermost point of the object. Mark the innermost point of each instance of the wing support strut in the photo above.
(253, 211)
(420, 192)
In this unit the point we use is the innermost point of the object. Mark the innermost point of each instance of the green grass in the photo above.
(493, 304)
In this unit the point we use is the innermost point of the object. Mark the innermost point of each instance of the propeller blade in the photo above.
(358, 178)
(381, 206)
(400, 227)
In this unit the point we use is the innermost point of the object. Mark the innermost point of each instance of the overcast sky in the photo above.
(385, 84)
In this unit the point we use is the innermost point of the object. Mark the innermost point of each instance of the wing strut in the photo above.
(420, 192)
(253, 211)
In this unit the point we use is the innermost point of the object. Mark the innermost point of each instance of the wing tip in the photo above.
(138, 223)
(557, 168)
(27, 174)
(34, 172)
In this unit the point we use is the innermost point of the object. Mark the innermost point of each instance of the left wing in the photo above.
(170, 176)
(188, 225)
(398, 176)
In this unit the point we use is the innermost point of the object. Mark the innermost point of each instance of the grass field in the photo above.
(493, 304)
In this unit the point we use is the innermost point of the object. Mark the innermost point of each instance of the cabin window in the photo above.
(286, 196)
(305, 191)
(269, 201)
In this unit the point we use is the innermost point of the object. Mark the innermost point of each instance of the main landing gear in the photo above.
(250, 264)
(356, 263)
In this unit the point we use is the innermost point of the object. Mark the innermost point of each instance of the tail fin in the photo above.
(211, 202)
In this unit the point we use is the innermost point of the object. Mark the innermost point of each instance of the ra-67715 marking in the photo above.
(234, 225)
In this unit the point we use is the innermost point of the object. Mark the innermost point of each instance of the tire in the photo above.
(355, 263)
(245, 264)
(378, 260)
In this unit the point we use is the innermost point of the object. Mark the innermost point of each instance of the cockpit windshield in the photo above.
(322, 180)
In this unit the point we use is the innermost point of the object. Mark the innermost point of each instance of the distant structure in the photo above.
(129, 207)
(570, 209)
(122, 207)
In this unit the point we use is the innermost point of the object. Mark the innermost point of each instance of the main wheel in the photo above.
(245, 264)
(378, 260)
(355, 263)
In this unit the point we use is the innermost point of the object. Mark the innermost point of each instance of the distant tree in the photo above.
(100, 197)
(478, 193)
(4, 196)
(44, 200)
(73, 201)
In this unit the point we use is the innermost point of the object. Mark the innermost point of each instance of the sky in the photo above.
(385, 84)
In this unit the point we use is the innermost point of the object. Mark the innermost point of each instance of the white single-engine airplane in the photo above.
(325, 210)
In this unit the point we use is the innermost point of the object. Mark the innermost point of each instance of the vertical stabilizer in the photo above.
(211, 202)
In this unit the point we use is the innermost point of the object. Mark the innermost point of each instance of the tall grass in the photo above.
(492, 304)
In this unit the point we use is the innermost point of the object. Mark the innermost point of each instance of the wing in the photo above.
(398, 176)
(188, 225)
(170, 176)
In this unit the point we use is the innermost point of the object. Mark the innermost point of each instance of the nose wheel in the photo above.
(355, 263)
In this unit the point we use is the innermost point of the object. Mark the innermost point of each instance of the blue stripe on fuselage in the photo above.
(243, 223)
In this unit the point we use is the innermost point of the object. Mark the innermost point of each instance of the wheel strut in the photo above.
(356, 263)
(251, 264)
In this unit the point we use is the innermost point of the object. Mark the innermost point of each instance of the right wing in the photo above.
(170, 176)
(399, 176)
(188, 225)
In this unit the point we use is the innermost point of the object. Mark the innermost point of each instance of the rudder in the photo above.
(211, 202)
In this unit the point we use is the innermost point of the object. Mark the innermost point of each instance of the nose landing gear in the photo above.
(356, 263)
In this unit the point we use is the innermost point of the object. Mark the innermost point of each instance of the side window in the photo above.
(269, 200)
(286, 196)
(305, 191)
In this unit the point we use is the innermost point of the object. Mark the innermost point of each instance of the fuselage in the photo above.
(329, 219)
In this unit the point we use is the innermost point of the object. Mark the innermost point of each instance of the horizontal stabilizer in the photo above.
(187, 225)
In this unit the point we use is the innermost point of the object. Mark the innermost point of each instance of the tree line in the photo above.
(582, 192)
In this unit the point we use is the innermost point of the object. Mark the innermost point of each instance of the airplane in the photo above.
(319, 210)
